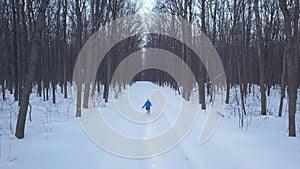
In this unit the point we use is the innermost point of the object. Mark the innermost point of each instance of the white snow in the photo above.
(54, 138)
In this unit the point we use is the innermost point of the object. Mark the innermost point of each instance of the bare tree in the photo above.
(16, 58)
(65, 53)
(232, 50)
(78, 44)
(250, 54)
(291, 53)
(202, 68)
(31, 70)
(261, 60)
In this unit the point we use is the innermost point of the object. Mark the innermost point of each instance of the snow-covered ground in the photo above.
(54, 138)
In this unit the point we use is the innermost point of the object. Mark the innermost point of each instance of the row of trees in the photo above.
(40, 41)
(258, 42)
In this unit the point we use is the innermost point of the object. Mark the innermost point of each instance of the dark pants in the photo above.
(148, 110)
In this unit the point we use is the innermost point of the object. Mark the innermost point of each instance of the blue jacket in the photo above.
(147, 105)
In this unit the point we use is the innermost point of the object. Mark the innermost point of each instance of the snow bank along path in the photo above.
(54, 139)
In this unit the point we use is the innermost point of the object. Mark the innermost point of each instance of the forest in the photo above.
(257, 41)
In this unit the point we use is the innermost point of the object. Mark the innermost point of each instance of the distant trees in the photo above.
(250, 37)
(40, 41)
(256, 47)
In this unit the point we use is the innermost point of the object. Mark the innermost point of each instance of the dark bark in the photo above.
(261, 60)
(3, 90)
(291, 64)
(78, 42)
(283, 86)
(14, 65)
(65, 53)
(20, 128)
(202, 68)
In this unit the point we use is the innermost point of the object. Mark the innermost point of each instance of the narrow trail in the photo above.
(68, 146)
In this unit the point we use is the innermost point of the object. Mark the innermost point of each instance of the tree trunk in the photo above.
(291, 55)
(78, 102)
(231, 52)
(3, 90)
(202, 68)
(14, 65)
(53, 84)
(31, 70)
(105, 94)
(78, 46)
(65, 12)
(260, 60)
(283, 84)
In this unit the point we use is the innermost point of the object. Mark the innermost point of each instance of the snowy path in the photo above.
(263, 145)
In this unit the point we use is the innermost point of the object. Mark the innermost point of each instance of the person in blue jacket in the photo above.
(147, 106)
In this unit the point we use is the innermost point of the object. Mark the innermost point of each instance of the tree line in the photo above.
(40, 41)
(258, 42)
